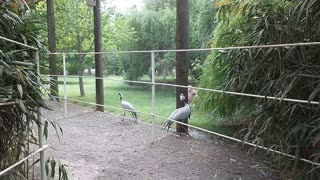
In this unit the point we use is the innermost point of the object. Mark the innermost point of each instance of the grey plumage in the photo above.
(178, 114)
(127, 106)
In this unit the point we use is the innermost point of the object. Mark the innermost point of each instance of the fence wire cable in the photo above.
(112, 107)
(22, 160)
(212, 90)
(19, 43)
(211, 132)
(238, 140)
(204, 49)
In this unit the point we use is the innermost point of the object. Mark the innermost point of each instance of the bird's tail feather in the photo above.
(167, 124)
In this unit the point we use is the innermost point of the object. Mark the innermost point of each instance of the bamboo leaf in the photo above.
(45, 129)
(314, 93)
(21, 105)
(47, 167)
(53, 168)
(20, 90)
(287, 90)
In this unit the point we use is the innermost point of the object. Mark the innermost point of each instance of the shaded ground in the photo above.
(100, 146)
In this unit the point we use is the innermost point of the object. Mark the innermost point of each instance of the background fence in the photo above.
(153, 113)
(153, 83)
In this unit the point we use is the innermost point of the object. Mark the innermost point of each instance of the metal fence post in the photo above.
(40, 127)
(65, 86)
(153, 91)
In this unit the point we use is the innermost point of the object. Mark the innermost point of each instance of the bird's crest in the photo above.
(120, 96)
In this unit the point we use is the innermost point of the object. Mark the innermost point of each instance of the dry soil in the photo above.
(99, 146)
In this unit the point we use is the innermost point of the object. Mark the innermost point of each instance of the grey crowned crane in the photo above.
(127, 106)
(179, 114)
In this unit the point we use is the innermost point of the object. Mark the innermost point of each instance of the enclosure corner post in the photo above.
(40, 126)
(65, 85)
(153, 91)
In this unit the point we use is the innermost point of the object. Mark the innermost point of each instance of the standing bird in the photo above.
(127, 106)
(179, 114)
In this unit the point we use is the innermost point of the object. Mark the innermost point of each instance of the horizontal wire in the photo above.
(243, 94)
(238, 140)
(214, 90)
(19, 43)
(200, 49)
(22, 160)
(140, 112)
(110, 52)
(138, 82)
(51, 75)
(208, 131)
(106, 78)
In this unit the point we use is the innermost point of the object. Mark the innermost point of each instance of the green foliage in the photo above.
(74, 30)
(155, 28)
(20, 85)
(202, 25)
(50, 167)
(289, 72)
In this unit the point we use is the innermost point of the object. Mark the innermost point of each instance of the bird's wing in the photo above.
(169, 122)
(127, 106)
(182, 113)
(190, 112)
(173, 114)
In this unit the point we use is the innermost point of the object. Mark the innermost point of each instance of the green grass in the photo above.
(139, 95)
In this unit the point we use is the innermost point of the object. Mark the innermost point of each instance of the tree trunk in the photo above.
(89, 71)
(54, 90)
(80, 72)
(98, 57)
(182, 42)
(81, 69)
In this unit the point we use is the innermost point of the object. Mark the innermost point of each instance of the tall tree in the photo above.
(74, 16)
(156, 26)
(182, 42)
(98, 57)
(54, 90)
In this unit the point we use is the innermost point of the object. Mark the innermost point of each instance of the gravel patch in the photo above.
(99, 146)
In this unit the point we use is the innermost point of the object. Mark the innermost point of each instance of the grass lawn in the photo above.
(140, 97)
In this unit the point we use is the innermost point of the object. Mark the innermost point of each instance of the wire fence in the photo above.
(153, 84)
(43, 147)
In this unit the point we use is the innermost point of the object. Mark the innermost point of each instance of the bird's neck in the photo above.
(120, 99)
(184, 102)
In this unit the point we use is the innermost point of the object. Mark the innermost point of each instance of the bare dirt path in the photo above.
(100, 146)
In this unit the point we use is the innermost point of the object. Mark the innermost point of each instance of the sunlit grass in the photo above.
(138, 94)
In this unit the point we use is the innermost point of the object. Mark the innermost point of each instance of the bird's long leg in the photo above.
(135, 116)
(185, 130)
(124, 115)
(165, 125)
(169, 126)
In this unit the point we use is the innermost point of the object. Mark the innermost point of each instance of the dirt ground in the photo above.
(100, 146)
